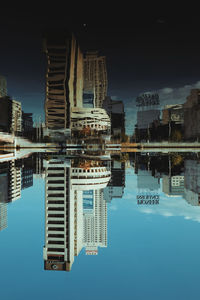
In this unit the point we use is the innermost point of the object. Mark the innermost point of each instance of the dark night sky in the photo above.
(147, 48)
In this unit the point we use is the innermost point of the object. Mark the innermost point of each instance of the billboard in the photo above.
(147, 99)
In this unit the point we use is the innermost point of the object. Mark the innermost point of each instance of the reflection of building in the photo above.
(3, 86)
(115, 110)
(91, 178)
(192, 181)
(145, 180)
(90, 175)
(71, 195)
(14, 182)
(91, 118)
(58, 251)
(27, 177)
(4, 179)
(3, 216)
(3, 195)
(95, 78)
(191, 197)
(173, 186)
(95, 221)
(115, 187)
(64, 82)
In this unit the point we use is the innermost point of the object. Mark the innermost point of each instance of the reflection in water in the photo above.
(78, 190)
(76, 212)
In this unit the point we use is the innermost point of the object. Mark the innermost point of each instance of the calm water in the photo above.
(125, 228)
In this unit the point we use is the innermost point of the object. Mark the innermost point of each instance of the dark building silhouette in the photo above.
(115, 110)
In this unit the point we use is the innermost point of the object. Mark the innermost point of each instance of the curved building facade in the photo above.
(92, 118)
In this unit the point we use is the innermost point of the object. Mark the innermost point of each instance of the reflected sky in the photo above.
(152, 248)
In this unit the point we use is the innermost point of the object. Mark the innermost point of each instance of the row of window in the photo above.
(89, 170)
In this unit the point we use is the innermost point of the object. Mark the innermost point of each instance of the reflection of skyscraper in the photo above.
(64, 82)
(59, 217)
(146, 181)
(94, 221)
(27, 177)
(115, 187)
(91, 178)
(14, 182)
(66, 190)
(95, 79)
(192, 181)
(4, 179)
(3, 216)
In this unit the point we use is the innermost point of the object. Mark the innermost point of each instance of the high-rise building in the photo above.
(3, 86)
(64, 81)
(10, 115)
(16, 119)
(95, 79)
